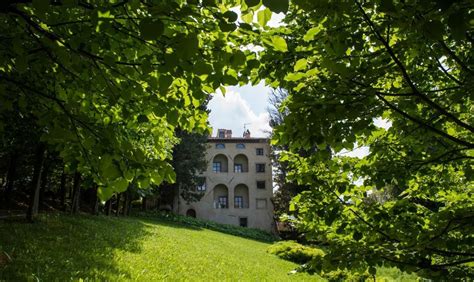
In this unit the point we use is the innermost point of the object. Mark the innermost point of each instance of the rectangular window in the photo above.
(243, 222)
(238, 202)
(259, 151)
(260, 167)
(216, 167)
(221, 134)
(261, 204)
(261, 184)
(238, 168)
(222, 202)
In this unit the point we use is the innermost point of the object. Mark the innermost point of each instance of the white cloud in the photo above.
(358, 152)
(383, 123)
(232, 112)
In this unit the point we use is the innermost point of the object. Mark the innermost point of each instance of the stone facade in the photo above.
(238, 183)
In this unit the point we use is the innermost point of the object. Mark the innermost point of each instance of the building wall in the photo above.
(206, 208)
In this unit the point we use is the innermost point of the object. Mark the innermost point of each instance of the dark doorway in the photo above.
(191, 213)
(243, 221)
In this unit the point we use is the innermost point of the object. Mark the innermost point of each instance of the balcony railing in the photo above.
(218, 205)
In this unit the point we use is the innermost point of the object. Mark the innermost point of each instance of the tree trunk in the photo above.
(117, 212)
(44, 181)
(144, 207)
(62, 190)
(95, 208)
(125, 203)
(76, 193)
(11, 175)
(129, 203)
(108, 207)
(36, 183)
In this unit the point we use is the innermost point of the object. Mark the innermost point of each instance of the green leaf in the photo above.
(142, 118)
(277, 6)
(230, 16)
(108, 169)
(458, 26)
(151, 29)
(357, 236)
(248, 17)
(104, 193)
(264, 16)
(41, 5)
(300, 64)
(156, 177)
(188, 46)
(120, 185)
(311, 33)
(294, 76)
(201, 68)
(252, 3)
(237, 59)
(434, 29)
(227, 27)
(372, 270)
(279, 43)
(165, 81)
(387, 6)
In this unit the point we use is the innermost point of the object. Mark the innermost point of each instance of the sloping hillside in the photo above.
(63, 247)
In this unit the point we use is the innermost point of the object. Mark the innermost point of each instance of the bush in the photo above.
(295, 252)
(245, 232)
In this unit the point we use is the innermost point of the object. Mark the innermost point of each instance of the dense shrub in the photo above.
(245, 232)
(295, 252)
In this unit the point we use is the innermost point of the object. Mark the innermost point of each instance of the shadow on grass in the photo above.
(63, 247)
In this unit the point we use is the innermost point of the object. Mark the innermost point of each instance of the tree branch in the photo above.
(406, 76)
(430, 127)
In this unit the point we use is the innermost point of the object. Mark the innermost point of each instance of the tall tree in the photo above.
(286, 189)
(396, 77)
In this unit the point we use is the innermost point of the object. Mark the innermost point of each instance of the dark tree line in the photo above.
(34, 178)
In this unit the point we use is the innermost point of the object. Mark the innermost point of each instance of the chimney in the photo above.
(247, 134)
(224, 133)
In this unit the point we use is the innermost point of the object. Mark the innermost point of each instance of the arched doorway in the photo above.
(191, 213)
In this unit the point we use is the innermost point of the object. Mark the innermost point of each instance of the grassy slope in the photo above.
(61, 247)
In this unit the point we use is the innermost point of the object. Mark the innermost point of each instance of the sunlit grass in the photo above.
(63, 247)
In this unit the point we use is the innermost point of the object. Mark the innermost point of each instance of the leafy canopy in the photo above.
(107, 82)
(347, 65)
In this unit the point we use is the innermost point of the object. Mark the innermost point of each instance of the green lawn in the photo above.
(63, 247)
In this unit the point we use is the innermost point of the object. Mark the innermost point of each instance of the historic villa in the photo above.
(238, 183)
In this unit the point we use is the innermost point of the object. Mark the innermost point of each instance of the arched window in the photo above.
(220, 163)
(221, 197)
(220, 146)
(240, 146)
(241, 163)
(241, 196)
